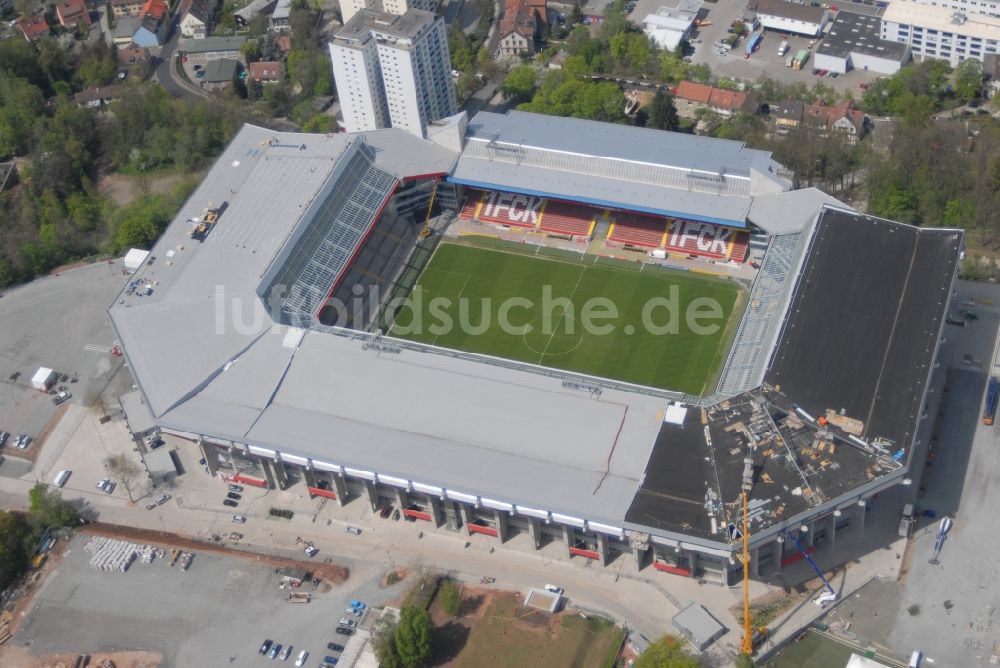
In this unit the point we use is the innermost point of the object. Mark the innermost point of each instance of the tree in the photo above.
(576, 14)
(450, 597)
(667, 652)
(520, 83)
(744, 661)
(969, 79)
(663, 113)
(125, 471)
(384, 642)
(48, 509)
(14, 536)
(413, 637)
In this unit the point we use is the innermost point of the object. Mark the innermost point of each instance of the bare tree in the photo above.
(125, 471)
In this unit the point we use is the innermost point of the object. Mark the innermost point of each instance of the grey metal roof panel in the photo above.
(784, 213)
(601, 191)
(594, 138)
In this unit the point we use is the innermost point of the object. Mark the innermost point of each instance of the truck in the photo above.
(753, 42)
(800, 59)
(783, 48)
(992, 393)
(906, 521)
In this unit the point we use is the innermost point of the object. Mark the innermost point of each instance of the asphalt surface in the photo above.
(164, 71)
(216, 613)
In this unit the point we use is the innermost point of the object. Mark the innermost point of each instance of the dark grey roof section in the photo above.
(844, 347)
(862, 330)
(788, 10)
(698, 625)
(859, 33)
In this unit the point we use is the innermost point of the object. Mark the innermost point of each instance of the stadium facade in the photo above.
(227, 332)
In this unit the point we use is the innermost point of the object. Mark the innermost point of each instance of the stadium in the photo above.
(273, 326)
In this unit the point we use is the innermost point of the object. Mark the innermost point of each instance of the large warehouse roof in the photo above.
(618, 166)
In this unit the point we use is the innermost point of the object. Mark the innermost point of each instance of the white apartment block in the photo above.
(393, 71)
(348, 8)
(941, 32)
(986, 7)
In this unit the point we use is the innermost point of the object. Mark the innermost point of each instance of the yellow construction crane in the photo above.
(747, 646)
(425, 231)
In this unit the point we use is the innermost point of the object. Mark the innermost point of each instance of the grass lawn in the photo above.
(478, 282)
(506, 635)
(813, 650)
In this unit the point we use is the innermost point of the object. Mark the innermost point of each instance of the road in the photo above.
(167, 76)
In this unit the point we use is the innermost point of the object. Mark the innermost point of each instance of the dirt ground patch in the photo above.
(330, 572)
(494, 629)
(124, 189)
(19, 656)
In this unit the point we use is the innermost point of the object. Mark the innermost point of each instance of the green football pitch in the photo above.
(602, 318)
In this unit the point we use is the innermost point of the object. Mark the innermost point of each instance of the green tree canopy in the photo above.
(48, 508)
(520, 83)
(662, 112)
(413, 637)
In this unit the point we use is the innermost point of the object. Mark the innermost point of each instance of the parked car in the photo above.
(274, 650)
(61, 397)
(265, 646)
(301, 661)
(240, 519)
(384, 513)
(357, 604)
(102, 484)
(330, 660)
(163, 498)
(232, 488)
(357, 612)
(3, 437)
(344, 630)
(334, 647)
(110, 487)
(344, 621)
(234, 496)
(229, 503)
(286, 653)
(554, 589)
(311, 551)
(354, 530)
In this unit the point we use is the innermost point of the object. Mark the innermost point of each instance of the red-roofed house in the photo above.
(691, 96)
(841, 118)
(518, 28)
(153, 24)
(34, 27)
(266, 71)
(72, 13)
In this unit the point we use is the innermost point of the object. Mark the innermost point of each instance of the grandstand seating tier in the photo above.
(567, 218)
(638, 230)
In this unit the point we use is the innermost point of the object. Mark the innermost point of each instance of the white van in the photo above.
(915, 659)
(61, 478)
(783, 48)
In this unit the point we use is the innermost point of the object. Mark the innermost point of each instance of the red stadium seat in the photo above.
(707, 240)
(566, 218)
(510, 209)
(472, 199)
(638, 230)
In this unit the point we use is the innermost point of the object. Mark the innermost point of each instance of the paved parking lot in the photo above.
(59, 322)
(216, 614)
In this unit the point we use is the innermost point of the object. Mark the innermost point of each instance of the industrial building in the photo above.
(393, 71)
(669, 26)
(854, 42)
(821, 396)
(787, 17)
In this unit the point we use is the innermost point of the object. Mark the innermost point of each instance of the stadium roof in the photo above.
(617, 166)
(857, 357)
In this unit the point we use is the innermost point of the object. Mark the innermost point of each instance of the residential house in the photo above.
(518, 28)
(153, 24)
(204, 51)
(97, 96)
(72, 13)
(34, 27)
(246, 14)
(125, 28)
(132, 54)
(284, 43)
(842, 118)
(196, 17)
(691, 96)
(219, 74)
(280, 15)
(541, 11)
(266, 71)
(787, 115)
(121, 8)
